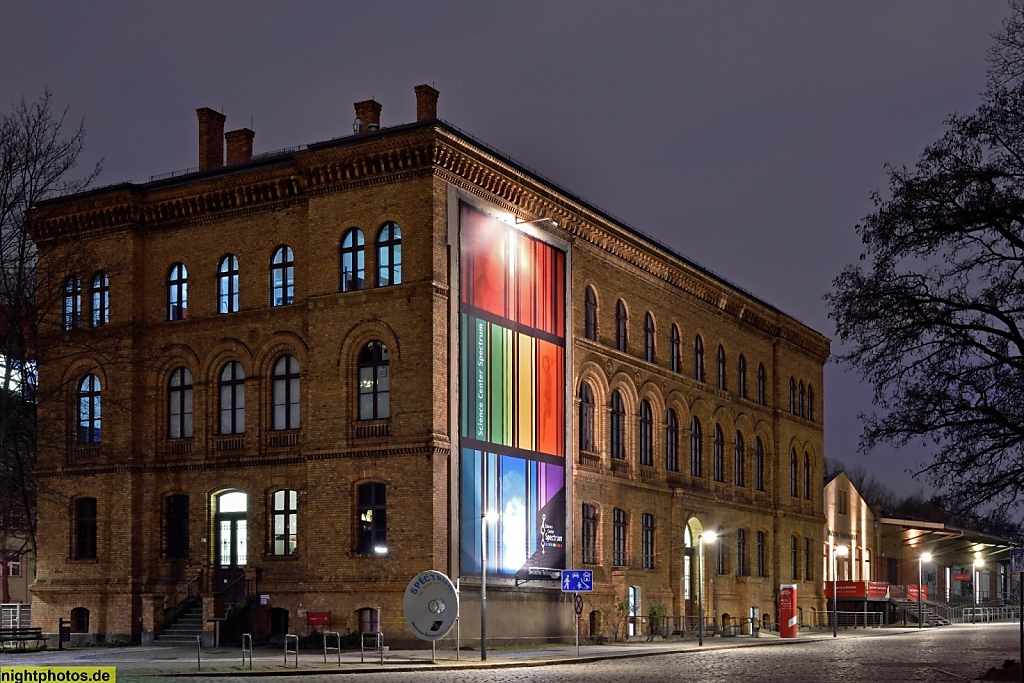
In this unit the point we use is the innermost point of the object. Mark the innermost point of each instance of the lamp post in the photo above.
(925, 557)
(978, 564)
(708, 537)
(837, 550)
(486, 518)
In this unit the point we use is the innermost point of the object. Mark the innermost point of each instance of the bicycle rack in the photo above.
(378, 642)
(334, 648)
(247, 648)
(289, 638)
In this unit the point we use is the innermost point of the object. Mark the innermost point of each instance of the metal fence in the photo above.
(15, 615)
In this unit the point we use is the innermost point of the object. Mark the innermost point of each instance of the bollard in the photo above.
(199, 651)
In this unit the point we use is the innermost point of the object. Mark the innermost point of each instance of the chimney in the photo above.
(211, 138)
(239, 145)
(368, 113)
(426, 103)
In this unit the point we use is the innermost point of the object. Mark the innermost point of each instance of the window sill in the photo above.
(283, 438)
(371, 429)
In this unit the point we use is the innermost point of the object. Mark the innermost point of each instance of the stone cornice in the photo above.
(280, 181)
(473, 170)
(214, 463)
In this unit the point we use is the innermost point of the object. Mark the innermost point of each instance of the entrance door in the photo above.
(231, 546)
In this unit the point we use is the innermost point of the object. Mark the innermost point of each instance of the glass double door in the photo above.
(232, 546)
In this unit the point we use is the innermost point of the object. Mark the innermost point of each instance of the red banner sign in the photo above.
(961, 577)
(318, 618)
(912, 591)
(852, 590)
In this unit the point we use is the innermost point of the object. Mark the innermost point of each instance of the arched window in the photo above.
(739, 456)
(177, 292)
(793, 558)
(646, 434)
(373, 527)
(741, 376)
(649, 337)
(72, 303)
(800, 403)
(374, 382)
(285, 381)
(590, 314)
(698, 358)
(231, 395)
(620, 325)
(179, 404)
(282, 277)
(89, 410)
(100, 299)
(762, 381)
(647, 540)
(794, 477)
(792, 396)
(618, 537)
(719, 454)
(80, 620)
(671, 441)
(618, 426)
(176, 526)
(284, 507)
(758, 464)
(369, 620)
(810, 403)
(761, 566)
(389, 255)
(586, 419)
(807, 476)
(227, 285)
(353, 265)
(696, 447)
(720, 357)
(85, 529)
(674, 351)
(720, 552)
(741, 552)
(589, 534)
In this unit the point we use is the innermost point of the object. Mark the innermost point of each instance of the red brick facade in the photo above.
(409, 176)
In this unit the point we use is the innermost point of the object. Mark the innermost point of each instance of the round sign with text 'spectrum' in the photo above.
(430, 605)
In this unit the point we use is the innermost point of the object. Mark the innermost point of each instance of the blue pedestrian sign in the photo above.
(577, 581)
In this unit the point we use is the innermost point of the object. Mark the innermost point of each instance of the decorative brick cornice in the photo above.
(472, 170)
(279, 181)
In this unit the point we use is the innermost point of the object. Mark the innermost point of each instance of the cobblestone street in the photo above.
(953, 653)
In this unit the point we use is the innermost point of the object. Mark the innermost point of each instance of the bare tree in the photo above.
(39, 149)
(933, 313)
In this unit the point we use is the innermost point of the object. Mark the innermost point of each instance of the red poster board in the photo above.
(912, 591)
(787, 610)
(318, 618)
(850, 590)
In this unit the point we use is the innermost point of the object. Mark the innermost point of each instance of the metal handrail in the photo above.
(186, 587)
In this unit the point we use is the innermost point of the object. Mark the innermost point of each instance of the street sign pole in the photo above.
(1017, 565)
(575, 608)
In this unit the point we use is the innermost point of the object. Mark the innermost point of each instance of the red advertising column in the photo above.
(787, 610)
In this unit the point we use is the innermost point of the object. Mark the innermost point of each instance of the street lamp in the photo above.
(709, 537)
(978, 564)
(837, 550)
(486, 518)
(925, 557)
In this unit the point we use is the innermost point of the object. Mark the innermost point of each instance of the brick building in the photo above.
(324, 364)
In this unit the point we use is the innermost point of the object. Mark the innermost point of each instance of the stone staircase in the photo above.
(929, 617)
(184, 629)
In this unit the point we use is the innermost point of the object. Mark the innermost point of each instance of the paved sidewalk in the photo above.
(138, 661)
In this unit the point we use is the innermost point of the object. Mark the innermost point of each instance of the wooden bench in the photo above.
(20, 636)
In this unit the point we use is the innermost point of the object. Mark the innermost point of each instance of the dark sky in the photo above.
(746, 135)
